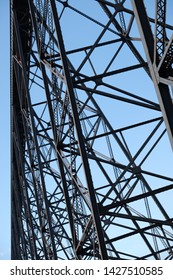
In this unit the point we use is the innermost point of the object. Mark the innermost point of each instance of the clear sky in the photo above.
(4, 131)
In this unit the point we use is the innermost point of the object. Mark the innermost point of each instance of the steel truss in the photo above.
(91, 176)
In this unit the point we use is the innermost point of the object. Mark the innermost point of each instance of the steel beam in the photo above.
(162, 90)
(95, 210)
(87, 171)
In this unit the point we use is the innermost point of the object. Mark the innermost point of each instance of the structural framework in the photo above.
(92, 129)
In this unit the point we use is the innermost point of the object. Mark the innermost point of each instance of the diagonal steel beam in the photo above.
(88, 177)
(25, 81)
(136, 198)
(162, 90)
(62, 173)
(167, 58)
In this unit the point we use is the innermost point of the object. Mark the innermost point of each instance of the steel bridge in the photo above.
(92, 129)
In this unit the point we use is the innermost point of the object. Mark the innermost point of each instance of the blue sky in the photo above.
(4, 128)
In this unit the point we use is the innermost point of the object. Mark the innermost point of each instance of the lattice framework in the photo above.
(90, 153)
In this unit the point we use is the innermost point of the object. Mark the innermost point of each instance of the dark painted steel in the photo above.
(162, 90)
(88, 177)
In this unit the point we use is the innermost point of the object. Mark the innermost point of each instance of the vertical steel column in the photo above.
(33, 126)
(88, 177)
(59, 160)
